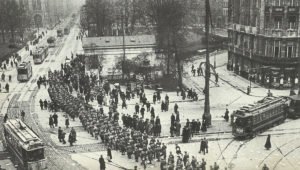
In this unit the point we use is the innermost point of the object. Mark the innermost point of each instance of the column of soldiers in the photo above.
(132, 139)
(129, 140)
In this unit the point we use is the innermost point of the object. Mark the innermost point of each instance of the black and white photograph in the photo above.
(149, 84)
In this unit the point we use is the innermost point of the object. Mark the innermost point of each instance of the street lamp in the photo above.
(206, 114)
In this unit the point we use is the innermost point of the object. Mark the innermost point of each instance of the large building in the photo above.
(47, 13)
(109, 50)
(264, 41)
(37, 10)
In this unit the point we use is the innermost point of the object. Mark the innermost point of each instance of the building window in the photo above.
(278, 22)
(292, 22)
(289, 51)
(276, 52)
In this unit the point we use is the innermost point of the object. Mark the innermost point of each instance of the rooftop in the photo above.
(117, 42)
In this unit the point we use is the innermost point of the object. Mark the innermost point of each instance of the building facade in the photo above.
(47, 13)
(37, 10)
(110, 49)
(264, 40)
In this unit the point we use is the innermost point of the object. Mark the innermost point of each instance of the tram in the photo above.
(24, 71)
(25, 145)
(253, 119)
(40, 54)
(294, 107)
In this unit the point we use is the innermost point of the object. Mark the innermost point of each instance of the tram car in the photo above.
(25, 145)
(24, 71)
(40, 54)
(253, 119)
(294, 107)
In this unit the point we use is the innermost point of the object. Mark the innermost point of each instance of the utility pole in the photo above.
(206, 114)
(299, 76)
(124, 50)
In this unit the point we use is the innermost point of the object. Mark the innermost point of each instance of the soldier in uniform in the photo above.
(136, 154)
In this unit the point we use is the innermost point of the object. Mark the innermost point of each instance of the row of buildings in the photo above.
(47, 13)
(264, 41)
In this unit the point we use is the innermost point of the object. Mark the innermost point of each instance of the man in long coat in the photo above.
(102, 163)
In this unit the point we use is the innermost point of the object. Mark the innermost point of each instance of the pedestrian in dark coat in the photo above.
(137, 108)
(163, 107)
(148, 106)
(63, 135)
(203, 127)
(102, 163)
(175, 107)
(45, 104)
(172, 119)
(60, 134)
(73, 132)
(51, 122)
(41, 104)
(268, 142)
(5, 118)
(154, 98)
(55, 121)
(7, 87)
(143, 111)
(71, 139)
(226, 116)
(67, 122)
(152, 112)
(109, 155)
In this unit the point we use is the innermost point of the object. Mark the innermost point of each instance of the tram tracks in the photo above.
(56, 158)
(280, 150)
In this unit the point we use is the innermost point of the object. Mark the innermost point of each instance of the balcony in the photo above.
(264, 59)
(276, 61)
(290, 33)
(278, 9)
(293, 9)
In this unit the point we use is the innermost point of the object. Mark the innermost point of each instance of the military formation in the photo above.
(136, 138)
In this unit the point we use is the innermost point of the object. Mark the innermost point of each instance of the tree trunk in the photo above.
(177, 58)
(12, 32)
(3, 35)
(168, 55)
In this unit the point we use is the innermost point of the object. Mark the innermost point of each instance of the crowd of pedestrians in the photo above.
(6, 79)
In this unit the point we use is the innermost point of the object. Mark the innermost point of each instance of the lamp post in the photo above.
(206, 115)
(124, 50)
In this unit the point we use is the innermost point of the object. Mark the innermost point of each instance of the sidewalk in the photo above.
(237, 82)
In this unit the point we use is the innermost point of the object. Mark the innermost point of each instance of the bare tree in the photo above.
(3, 18)
(170, 18)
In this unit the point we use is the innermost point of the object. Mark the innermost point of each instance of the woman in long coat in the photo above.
(268, 142)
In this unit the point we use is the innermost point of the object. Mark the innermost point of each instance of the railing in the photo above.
(280, 32)
(258, 57)
(273, 60)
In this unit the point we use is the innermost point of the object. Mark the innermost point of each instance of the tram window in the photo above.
(35, 155)
(22, 71)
